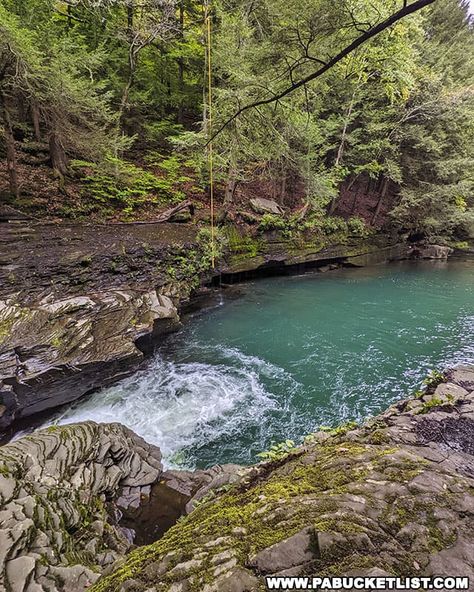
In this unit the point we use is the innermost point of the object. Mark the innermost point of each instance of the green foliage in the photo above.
(190, 264)
(272, 222)
(462, 245)
(434, 379)
(340, 429)
(357, 227)
(278, 451)
(124, 79)
(241, 244)
(212, 243)
(429, 405)
(115, 181)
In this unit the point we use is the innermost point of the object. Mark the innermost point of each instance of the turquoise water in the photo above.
(292, 354)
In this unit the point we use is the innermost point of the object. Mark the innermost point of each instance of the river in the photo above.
(292, 354)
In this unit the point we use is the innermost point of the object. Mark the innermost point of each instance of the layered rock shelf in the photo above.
(74, 500)
(62, 348)
(393, 496)
(80, 306)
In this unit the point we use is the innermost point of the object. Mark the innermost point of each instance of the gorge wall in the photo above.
(80, 306)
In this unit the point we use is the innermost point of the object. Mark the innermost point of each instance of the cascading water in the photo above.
(290, 355)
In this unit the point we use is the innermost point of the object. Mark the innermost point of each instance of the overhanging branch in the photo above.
(369, 34)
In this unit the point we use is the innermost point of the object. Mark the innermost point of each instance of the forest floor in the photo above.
(45, 197)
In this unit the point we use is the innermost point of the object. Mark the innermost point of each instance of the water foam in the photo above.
(184, 406)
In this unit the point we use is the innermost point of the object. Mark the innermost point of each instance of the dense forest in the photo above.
(106, 112)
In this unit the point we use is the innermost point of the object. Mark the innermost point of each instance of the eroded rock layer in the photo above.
(395, 496)
(61, 348)
(75, 499)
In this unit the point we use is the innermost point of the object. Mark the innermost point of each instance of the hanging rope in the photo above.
(210, 154)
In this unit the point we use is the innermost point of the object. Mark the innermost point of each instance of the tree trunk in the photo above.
(340, 150)
(130, 9)
(12, 165)
(283, 188)
(132, 63)
(230, 188)
(35, 116)
(181, 65)
(58, 156)
(354, 203)
(380, 201)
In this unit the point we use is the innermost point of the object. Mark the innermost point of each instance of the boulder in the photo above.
(266, 206)
(430, 252)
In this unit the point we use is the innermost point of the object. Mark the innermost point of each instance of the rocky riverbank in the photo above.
(394, 496)
(67, 495)
(80, 306)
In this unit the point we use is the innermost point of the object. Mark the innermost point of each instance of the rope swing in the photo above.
(210, 155)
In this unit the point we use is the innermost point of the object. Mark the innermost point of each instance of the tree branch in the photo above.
(391, 20)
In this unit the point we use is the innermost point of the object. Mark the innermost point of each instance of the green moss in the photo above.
(242, 244)
(6, 327)
(336, 566)
(4, 470)
(56, 342)
(333, 525)
(252, 509)
(378, 437)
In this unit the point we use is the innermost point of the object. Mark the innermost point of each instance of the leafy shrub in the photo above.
(434, 378)
(278, 451)
(325, 224)
(189, 264)
(121, 183)
(333, 224)
(272, 222)
(357, 227)
(461, 245)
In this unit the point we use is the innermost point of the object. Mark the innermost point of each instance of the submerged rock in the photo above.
(392, 497)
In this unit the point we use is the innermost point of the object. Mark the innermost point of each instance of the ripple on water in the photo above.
(289, 355)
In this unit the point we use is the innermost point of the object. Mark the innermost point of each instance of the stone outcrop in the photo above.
(57, 492)
(274, 251)
(423, 251)
(266, 206)
(392, 497)
(57, 350)
(80, 305)
(75, 499)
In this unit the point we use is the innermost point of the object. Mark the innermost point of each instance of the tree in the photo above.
(436, 131)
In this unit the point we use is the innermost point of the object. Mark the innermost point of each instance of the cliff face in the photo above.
(58, 349)
(81, 305)
(395, 496)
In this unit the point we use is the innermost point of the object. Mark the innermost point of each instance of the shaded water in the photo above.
(290, 355)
